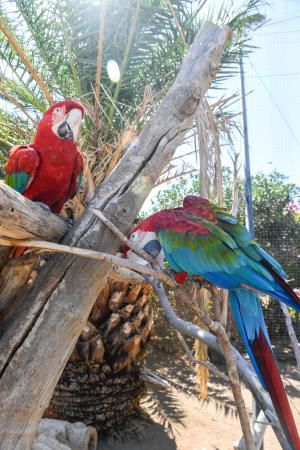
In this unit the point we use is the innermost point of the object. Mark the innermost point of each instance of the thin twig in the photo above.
(138, 250)
(208, 366)
(51, 246)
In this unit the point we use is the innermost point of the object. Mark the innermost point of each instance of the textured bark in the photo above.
(101, 384)
(14, 275)
(22, 219)
(57, 307)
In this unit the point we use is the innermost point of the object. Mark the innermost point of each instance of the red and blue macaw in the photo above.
(49, 170)
(202, 239)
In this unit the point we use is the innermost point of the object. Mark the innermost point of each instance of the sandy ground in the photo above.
(179, 420)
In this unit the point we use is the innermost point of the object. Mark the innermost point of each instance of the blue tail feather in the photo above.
(249, 320)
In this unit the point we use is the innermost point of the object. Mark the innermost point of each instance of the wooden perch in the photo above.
(122, 262)
(21, 218)
(63, 295)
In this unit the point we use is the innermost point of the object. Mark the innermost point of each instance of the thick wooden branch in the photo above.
(21, 218)
(39, 337)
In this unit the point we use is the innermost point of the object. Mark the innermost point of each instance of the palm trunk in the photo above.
(101, 384)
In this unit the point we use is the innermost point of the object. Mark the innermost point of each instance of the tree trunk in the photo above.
(101, 383)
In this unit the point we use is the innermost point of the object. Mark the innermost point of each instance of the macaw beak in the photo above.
(70, 127)
(153, 247)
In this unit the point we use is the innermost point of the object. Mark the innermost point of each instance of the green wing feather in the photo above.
(227, 248)
(79, 181)
(17, 180)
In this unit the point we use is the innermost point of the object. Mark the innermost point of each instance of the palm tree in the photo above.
(65, 48)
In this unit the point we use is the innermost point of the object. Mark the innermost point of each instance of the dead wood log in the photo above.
(13, 277)
(21, 218)
(34, 356)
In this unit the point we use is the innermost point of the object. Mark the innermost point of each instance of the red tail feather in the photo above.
(270, 373)
(283, 283)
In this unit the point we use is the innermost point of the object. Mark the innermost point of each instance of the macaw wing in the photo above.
(244, 239)
(199, 247)
(263, 273)
(21, 167)
(268, 265)
(228, 223)
(77, 175)
(212, 254)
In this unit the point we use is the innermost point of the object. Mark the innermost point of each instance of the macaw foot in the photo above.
(45, 207)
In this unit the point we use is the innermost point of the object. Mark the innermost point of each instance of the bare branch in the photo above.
(234, 379)
(138, 250)
(292, 334)
(51, 246)
(208, 366)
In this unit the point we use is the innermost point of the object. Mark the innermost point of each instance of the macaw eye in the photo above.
(57, 110)
(133, 235)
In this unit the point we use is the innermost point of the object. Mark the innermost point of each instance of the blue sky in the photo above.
(273, 74)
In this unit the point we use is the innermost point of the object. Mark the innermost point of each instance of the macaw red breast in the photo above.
(55, 180)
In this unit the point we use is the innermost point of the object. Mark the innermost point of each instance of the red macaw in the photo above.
(202, 239)
(50, 169)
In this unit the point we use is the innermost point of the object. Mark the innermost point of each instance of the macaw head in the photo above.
(194, 201)
(199, 207)
(144, 237)
(61, 122)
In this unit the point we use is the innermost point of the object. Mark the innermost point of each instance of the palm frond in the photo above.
(13, 41)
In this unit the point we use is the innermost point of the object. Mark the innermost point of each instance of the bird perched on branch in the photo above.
(49, 170)
(202, 239)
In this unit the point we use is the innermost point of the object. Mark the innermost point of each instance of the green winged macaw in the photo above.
(49, 170)
(202, 239)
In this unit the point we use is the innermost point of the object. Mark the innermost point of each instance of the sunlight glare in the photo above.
(113, 71)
